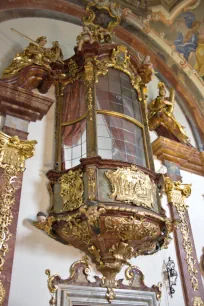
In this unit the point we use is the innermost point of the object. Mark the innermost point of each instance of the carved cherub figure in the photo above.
(86, 36)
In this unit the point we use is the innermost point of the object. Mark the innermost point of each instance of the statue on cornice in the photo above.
(161, 115)
(36, 54)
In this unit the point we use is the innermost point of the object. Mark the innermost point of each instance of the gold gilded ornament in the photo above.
(46, 226)
(176, 193)
(2, 293)
(120, 59)
(91, 175)
(131, 228)
(161, 114)
(13, 153)
(72, 190)
(93, 31)
(77, 229)
(198, 301)
(132, 186)
(72, 68)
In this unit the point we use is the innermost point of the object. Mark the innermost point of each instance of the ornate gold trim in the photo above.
(91, 175)
(112, 8)
(119, 115)
(120, 60)
(45, 226)
(131, 228)
(13, 153)
(74, 121)
(176, 194)
(131, 185)
(198, 301)
(72, 190)
(2, 293)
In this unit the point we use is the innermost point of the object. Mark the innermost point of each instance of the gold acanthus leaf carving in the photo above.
(13, 153)
(72, 190)
(131, 228)
(198, 301)
(45, 226)
(132, 186)
(177, 193)
(2, 293)
(77, 229)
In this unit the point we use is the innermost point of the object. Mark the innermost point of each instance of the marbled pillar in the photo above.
(190, 294)
(12, 126)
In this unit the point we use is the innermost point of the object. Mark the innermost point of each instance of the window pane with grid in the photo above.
(74, 144)
(114, 92)
(120, 139)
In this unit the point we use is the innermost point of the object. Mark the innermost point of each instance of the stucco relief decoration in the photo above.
(198, 301)
(177, 193)
(132, 186)
(72, 190)
(13, 153)
(102, 17)
(131, 228)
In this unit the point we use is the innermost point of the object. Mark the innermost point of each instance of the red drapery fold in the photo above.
(74, 106)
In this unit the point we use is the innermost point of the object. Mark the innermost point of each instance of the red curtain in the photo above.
(74, 106)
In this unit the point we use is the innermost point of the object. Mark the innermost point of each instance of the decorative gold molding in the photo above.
(72, 190)
(120, 59)
(13, 153)
(176, 194)
(131, 185)
(2, 293)
(91, 175)
(131, 228)
(45, 226)
(198, 301)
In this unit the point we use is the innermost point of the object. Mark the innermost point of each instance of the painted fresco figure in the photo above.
(161, 114)
(199, 66)
(188, 43)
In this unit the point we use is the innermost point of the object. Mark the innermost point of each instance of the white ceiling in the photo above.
(11, 43)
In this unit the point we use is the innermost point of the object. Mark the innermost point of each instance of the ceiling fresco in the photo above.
(185, 34)
(145, 7)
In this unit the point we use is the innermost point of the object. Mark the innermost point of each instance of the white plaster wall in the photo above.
(196, 209)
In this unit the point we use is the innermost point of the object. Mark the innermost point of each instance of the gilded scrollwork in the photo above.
(13, 153)
(45, 226)
(72, 69)
(91, 175)
(132, 186)
(72, 190)
(93, 31)
(131, 228)
(2, 293)
(77, 229)
(120, 59)
(177, 193)
(198, 301)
